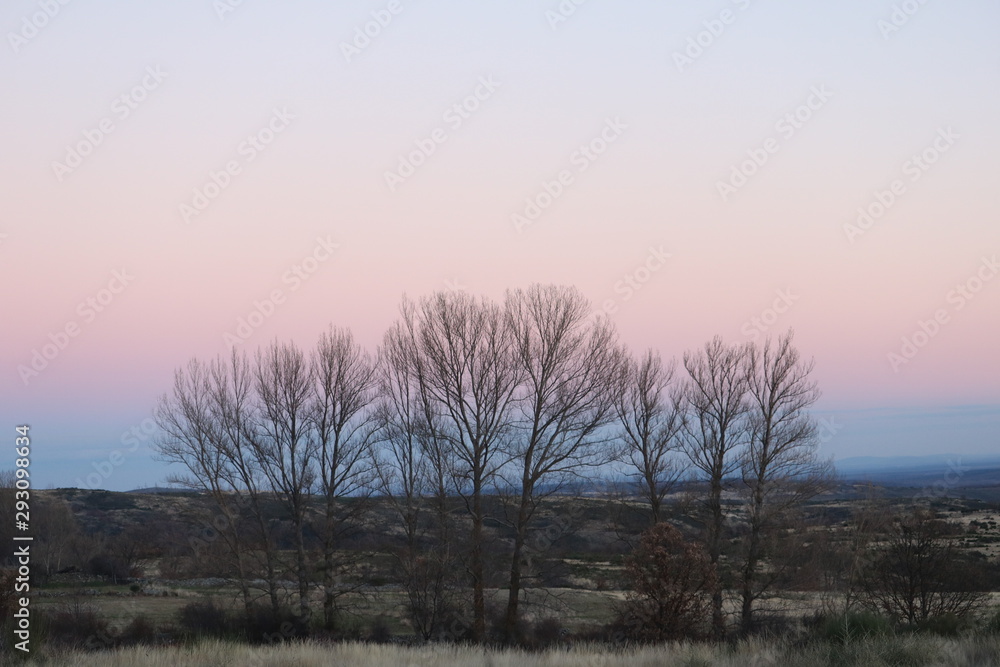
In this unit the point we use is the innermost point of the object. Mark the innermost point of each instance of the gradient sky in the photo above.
(851, 297)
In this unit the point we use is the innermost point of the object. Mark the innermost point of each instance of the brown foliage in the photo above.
(672, 581)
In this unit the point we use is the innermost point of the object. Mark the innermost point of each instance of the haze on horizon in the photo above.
(734, 168)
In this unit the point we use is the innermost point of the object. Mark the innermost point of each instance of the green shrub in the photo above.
(854, 626)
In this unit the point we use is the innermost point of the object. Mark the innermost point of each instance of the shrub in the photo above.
(206, 617)
(671, 581)
(548, 632)
(945, 625)
(108, 566)
(992, 623)
(917, 572)
(851, 627)
(263, 624)
(140, 630)
(380, 632)
(78, 625)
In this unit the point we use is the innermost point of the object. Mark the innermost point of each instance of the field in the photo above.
(900, 651)
(581, 583)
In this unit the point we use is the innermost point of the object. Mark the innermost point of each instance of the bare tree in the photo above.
(281, 442)
(651, 416)
(713, 435)
(845, 559)
(191, 437)
(780, 465)
(470, 375)
(342, 421)
(233, 404)
(916, 572)
(568, 368)
(415, 473)
(52, 545)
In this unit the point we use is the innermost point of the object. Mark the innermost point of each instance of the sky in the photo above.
(179, 176)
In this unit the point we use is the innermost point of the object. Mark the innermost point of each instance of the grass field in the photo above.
(918, 651)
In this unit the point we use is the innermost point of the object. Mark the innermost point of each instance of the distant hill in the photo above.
(950, 470)
(159, 489)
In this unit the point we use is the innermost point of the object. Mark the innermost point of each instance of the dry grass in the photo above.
(911, 650)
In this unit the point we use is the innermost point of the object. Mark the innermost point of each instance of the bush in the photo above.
(671, 581)
(380, 632)
(108, 566)
(851, 627)
(140, 630)
(206, 617)
(992, 623)
(945, 625)
(259, 626)
(548, 632)
(78, 625)
(262, 624)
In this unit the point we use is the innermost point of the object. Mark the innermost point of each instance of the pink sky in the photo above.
(197, 87)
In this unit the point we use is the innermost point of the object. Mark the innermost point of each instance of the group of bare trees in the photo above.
(472, 404)
(264, 438)
(736, 419)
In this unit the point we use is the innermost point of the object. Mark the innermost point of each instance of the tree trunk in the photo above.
(478, 592)
(715, 552)
(514, 594)
(753, 558)
(329, 593)
(300, 558)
